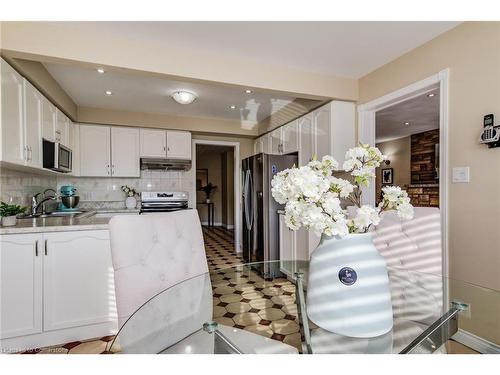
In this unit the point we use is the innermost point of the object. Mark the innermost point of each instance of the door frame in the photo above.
(366, 134)
(237, 195)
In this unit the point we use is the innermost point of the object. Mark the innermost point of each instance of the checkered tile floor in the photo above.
(242, 299)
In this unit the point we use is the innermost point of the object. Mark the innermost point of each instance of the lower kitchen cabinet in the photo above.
(20, 285)
(78, 279)
(55, 288)
(293, 246)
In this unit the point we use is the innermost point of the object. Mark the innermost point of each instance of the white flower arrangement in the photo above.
(129, 192)
(312, 195)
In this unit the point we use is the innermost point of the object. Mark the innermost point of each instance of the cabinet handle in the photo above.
(164, 148)
(46, 251)
(30, 153)
(107, 169)
(36, 248)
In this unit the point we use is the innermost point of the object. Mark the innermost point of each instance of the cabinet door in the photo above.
(322, 131)
(95, 150)
(257, 146)
(306, 139)
(266, 143)
(74, 144)
(77, 279)
(13, 148)
(62, 124)
(125, 145)
(178, 145)
(275, 139)
(33, 125)
(153, 143)
(290, 138)
(343, 128)
(20, 285)
(48, 120)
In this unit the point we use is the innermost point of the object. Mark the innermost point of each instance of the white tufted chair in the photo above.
(151, 253)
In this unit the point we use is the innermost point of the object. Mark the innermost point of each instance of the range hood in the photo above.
(166, 164)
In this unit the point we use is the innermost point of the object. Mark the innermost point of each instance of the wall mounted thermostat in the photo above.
(490, 134)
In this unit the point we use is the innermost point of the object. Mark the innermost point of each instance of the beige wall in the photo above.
(472, 53)
(246, 144)
(141, 119)
(398, 152)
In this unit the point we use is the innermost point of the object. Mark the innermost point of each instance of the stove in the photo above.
(163, 201)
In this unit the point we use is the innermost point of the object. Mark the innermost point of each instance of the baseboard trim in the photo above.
(475, 342)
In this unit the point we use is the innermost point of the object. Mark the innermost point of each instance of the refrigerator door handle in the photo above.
(250, 182)
(246, 194)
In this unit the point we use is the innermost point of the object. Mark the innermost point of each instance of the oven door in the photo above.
(63, 162)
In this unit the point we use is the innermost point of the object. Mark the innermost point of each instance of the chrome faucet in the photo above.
(35, 204)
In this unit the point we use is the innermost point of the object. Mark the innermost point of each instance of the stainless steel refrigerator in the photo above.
(260, 210)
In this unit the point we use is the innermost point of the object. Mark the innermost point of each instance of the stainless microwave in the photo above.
(57, 157)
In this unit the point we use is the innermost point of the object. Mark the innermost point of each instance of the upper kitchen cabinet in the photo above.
(13, 148)
(109, 151)
(125, 150)
(178, 145)
(275, 145)
(289, 138)
(153, 143)
(95, 153)
(306, 139)
(261, 144)
(48, 120)
(33, 125)
(334, 129)
(62, 128)
(74, 145)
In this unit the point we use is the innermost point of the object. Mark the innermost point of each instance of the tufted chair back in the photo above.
(413, 247)
(151, 253)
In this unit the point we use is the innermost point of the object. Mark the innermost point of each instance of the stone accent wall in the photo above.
(423, 157)
(424, 195)
(424, 187)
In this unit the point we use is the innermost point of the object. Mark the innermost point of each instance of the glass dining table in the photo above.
(262, 308)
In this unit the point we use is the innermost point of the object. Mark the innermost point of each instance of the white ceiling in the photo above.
(422, 112)
(349, 49)
(151, 94)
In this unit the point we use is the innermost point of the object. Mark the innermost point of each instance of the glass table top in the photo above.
(261, 308)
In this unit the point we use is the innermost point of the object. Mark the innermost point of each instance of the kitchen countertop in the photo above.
(90, 221)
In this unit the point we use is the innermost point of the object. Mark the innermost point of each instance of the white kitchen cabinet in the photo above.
(306, 139)
(32, 125)
(48, 120)
(275, 147)
(13, 149)
(62, 128)
(289, 138)
(153, 143)
(20, 285)
(74, 145)
(78, 279)
(95, 141)
(178, 145)
(125, 152)
(334, 129)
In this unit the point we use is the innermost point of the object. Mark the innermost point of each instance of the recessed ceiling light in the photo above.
(232, 107)
(407, 123)
(248, 91)
(100, 70)
(431, 95)
(108, 92)
(184, 97)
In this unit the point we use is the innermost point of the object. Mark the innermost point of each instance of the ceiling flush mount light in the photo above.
(184, 97)
(100, 70)
(108, 92)
(232, 106)
(248, 91)
(431, 95)
(406, 123)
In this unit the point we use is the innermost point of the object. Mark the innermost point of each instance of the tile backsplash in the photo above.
(107, 189)
(94, 192)
(18, 187)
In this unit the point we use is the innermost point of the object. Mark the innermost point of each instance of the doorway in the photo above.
(216, 189)
(367, 133)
